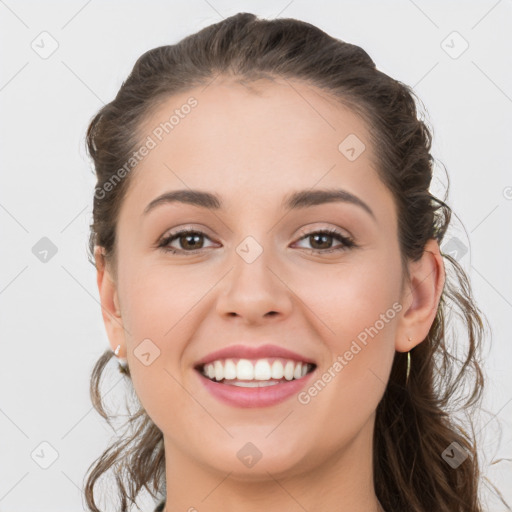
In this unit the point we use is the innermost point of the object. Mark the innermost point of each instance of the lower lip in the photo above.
(254, 397)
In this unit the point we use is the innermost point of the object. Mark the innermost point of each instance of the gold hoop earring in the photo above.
(408, 364)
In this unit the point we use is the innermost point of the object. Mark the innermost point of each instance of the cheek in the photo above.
(156, 310)
(157, 299)
(348, 297)
(364, 302)
(152, 306)
(358, 309)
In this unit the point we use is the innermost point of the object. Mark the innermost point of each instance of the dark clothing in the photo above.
(160, 506)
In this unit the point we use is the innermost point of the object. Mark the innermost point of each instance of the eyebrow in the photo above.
(293, 201)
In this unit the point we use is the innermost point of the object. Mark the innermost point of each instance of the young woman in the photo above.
(268, 262)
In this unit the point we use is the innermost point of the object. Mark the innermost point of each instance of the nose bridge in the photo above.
(252, 261)
(253, 287)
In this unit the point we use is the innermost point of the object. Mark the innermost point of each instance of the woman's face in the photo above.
(258, 273)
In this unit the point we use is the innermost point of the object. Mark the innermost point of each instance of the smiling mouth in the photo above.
(255, 373)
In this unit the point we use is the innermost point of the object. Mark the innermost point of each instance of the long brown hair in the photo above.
(415, 422)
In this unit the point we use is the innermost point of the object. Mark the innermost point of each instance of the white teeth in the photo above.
(219, 371)
(229, 370)
(288, 370)
(244, 370)
(252, 383)
(277, 370)
(261, 370)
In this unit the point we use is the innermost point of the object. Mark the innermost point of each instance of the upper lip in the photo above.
(253, 352)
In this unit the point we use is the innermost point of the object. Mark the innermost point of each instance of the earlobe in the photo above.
(423, 294)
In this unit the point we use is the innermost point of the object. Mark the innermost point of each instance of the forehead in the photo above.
(251, 142)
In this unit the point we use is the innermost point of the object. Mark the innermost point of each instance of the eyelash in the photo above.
(347, 242)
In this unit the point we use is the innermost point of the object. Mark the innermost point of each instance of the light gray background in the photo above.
(50, 324)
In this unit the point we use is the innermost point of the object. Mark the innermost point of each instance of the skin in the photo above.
(253, 146)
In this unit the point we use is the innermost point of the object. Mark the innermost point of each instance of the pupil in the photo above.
(187, 237)
(324, 237)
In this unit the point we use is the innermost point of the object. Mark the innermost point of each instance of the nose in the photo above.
(254, 292)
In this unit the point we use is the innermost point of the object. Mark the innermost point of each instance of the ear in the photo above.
(110, 309)
(420, 297)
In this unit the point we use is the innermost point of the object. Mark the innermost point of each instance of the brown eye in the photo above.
(324, 241)
(321, 241)
(189, 241)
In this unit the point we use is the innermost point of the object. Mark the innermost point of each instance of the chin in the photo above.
(255, 458)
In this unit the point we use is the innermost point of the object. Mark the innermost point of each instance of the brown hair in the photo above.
(415, 423)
